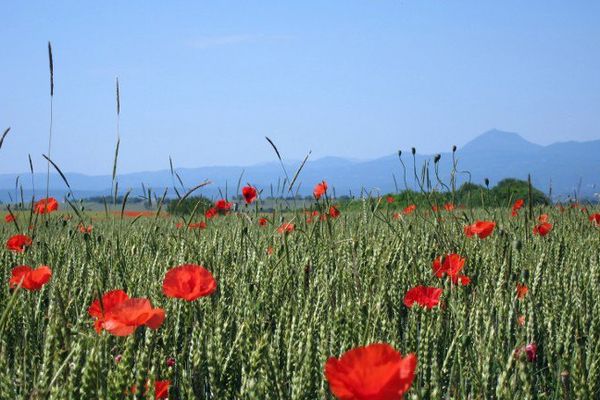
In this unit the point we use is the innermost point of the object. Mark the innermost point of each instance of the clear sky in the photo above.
(205, 81)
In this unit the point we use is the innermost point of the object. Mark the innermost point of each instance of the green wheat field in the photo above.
(285, 303)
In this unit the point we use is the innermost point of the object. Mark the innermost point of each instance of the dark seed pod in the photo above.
(454, 148)
(414, 151)
(437, 157)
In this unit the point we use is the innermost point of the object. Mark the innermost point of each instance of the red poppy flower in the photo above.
(482, 229)
(334, 212)
(396, 216)
(435, 208)
(126, 317)
(542, 229)
(263, 221)
(161, 389)
(45, 206)
(521, 320)
(286, 227)
(223, 206)
(110, 300)
(517, 206)
(373, 372)
(543, 218)
(197, 225)
(462, 280)
(409, 210)
(211, 212)
(9, 218)
(120, 315)
(29, 278)
(389, 199)
(320, 189)
(522, 291)
(449, 207)
(249, 194)
(189, 282)
(18, 243)
(530, 351)
(179, 225)
(424, 296)
(452, 265)
(595, 218)
(269, 250)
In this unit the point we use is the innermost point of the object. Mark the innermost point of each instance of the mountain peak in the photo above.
(496, 140)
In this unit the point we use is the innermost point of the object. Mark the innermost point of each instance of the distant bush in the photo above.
(517, 189)
(187, 205)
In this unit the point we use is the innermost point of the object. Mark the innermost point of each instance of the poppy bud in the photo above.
(436, 159)
(170, 362)
(454, 148)
(487, 182)
(118, 358)
(414, 151)
(399, 153)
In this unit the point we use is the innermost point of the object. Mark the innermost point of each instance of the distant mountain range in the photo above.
(566, 167)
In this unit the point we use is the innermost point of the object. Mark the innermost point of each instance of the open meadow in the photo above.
(514, 314)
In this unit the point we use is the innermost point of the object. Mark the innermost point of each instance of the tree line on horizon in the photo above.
(468, 195)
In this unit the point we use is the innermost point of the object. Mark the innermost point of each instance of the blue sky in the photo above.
(204, 82)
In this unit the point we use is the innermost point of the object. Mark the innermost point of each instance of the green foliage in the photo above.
(327, 287)
(188, 205)
(468, 195)
(510, 189)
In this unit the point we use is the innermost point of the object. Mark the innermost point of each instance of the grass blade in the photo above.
(4, 136)
(278, 155)
(298, 171)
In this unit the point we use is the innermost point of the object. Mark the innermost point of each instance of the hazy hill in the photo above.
(494, 154)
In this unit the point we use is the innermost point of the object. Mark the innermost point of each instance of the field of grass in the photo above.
(285, 303)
